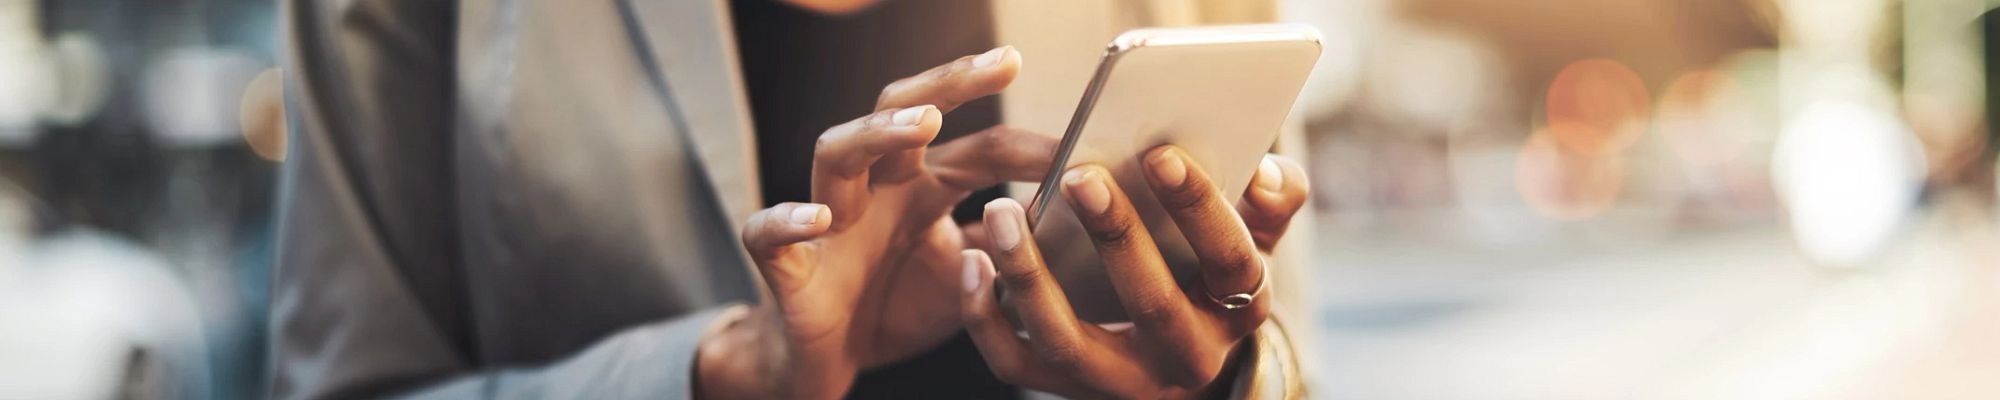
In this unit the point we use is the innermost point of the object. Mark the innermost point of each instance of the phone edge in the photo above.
(1071, 135)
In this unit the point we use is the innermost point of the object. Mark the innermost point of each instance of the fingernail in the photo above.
(975, 270)
(1269, 177)
(910, 116)
(990, 57)
(1087, 188)
(807, 214)
(1003, 216)
(1169, 168)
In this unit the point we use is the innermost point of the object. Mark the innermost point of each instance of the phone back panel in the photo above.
(1220, 93)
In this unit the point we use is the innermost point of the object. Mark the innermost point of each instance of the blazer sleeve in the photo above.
(367, 295)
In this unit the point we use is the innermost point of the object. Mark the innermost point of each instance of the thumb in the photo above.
(776, 239)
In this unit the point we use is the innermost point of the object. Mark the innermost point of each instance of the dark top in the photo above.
(807, 72)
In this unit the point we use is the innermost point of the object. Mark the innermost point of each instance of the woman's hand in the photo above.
(1181, 339)
(866, 274)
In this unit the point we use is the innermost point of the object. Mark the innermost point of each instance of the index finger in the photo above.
(990, 157)
(953, 84)
(847, 152)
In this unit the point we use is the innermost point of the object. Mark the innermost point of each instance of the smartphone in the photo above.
(1220, 92)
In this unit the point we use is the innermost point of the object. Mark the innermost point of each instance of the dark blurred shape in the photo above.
(145, 377)
(847, 59)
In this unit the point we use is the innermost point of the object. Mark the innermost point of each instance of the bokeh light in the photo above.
(83, 79)
(24, 82)
(1597, 107)
(1848, 174)
(192, 95)
(262, 115)
(1566, 185)
(1698, 133)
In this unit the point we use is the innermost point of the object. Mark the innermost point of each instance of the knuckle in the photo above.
(1006, 136)
(1061, 358)
(951, 70)
(824, 144)
(1185, 198)
(1022, 278)
(1113, 234)
(1000, 133)
(876, 122)
(1154, 314)
(754, 229)
(889, 92)
(993, 138)
(1236, 261)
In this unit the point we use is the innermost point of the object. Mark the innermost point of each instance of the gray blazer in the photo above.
(507, 198)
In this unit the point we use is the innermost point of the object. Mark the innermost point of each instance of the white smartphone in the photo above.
(1221, 92)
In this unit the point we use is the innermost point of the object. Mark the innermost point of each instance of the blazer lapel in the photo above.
(692, 48)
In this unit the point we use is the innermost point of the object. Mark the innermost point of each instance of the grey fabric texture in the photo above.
(487, 199)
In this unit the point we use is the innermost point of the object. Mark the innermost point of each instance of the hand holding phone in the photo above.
(1221, 94)
(1147, 175)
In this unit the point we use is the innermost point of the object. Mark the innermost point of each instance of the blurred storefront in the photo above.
(137, 267)
(1655, 199)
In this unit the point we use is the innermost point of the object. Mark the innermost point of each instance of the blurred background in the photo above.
(1514, 199)
(1655, 199)
(134, 217)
